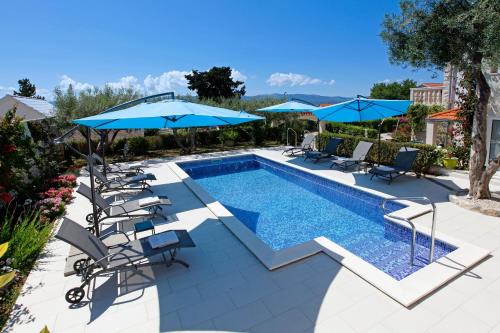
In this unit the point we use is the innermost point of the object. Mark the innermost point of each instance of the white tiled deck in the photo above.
(228, 289)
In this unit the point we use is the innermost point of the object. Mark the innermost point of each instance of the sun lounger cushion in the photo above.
(149, 201)
(163, 239)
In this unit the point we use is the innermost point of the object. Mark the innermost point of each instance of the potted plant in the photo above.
(448, 159)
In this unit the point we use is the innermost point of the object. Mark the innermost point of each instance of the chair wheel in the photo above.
(78, 265)
(75, 295)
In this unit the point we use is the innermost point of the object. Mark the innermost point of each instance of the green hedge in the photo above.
(427, 156)
(351, 129)
(389, 124)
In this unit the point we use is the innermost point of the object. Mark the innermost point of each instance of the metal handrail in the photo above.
(295, 133)
(433, 227)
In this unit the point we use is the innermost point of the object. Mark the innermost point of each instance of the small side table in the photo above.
(143, 226)
(364, 166)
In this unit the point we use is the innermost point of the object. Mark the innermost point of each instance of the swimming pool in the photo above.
(285, 207)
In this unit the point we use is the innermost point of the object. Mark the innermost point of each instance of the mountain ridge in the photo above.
(311, 98)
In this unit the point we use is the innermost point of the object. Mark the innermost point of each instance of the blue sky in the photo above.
(322, 47)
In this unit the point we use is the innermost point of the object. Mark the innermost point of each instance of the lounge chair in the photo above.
(306, 145)
(117, 183)
(103, 260)
(329, 151)
(125, 168)
(358, 155)
(402, 164)
(129, 208)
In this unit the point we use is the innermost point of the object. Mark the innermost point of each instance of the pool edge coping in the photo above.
(406, 291)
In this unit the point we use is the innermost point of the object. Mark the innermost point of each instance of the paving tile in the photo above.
(369, 311)
(323, 307)
(166, 323)
(379, 328)
(459, 321)
(205, 310)
(252, 291)
(291, 321)
(220, 284)
(243, 318)
(286, 299)
(172, 302)
(485, 306)
(444, 301)
(420, 318)
(333, 324)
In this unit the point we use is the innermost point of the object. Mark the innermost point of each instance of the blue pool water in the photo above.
(284, 207)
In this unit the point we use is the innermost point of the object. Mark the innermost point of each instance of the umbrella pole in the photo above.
(92, 184)
(103, 152)
(379, 140)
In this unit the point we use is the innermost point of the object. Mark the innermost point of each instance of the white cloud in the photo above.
(331, 82)
(237, 75)
(7, 90)
(291, 79)
(168, 81)
(77, 86)
(4, 90)
(126, 82)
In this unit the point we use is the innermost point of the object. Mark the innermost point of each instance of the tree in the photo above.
(215, 83)
(392, 90)
(89, 102)
(27, 89)
(463, 33)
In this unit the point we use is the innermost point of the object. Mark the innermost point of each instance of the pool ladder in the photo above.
(413, 229)
(287, 136)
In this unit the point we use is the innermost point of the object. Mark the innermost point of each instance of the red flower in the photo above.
(6, 197)
(9, 148)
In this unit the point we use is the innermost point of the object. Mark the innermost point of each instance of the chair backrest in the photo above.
(405, 158)
(98, 158)
(99, 175)
(332, 145)
(361, 150)
(76, 235)
(308, 140)
(86, 191)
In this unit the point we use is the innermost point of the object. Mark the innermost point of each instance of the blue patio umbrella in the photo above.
(290, 106)
(166, 114)
(363, 109)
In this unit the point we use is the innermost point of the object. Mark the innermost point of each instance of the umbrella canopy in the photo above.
(362, 109)
(290, 106)
(166, 114)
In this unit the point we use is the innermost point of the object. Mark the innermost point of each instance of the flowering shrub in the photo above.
(64, 181)
(64, 193)
(50, 209)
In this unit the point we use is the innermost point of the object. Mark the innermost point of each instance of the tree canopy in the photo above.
(71, 105)
(392, 90)
(465, 34)
(215, 83)
(434, 33)
(27, 89)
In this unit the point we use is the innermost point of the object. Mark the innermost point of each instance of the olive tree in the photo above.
(71, 105)
(465, 34)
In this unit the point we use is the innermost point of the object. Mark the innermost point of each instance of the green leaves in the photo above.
(431, 34)
(392, 90)
(3, 248)
(215, 83)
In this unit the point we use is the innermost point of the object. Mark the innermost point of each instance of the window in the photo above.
(495, 139)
